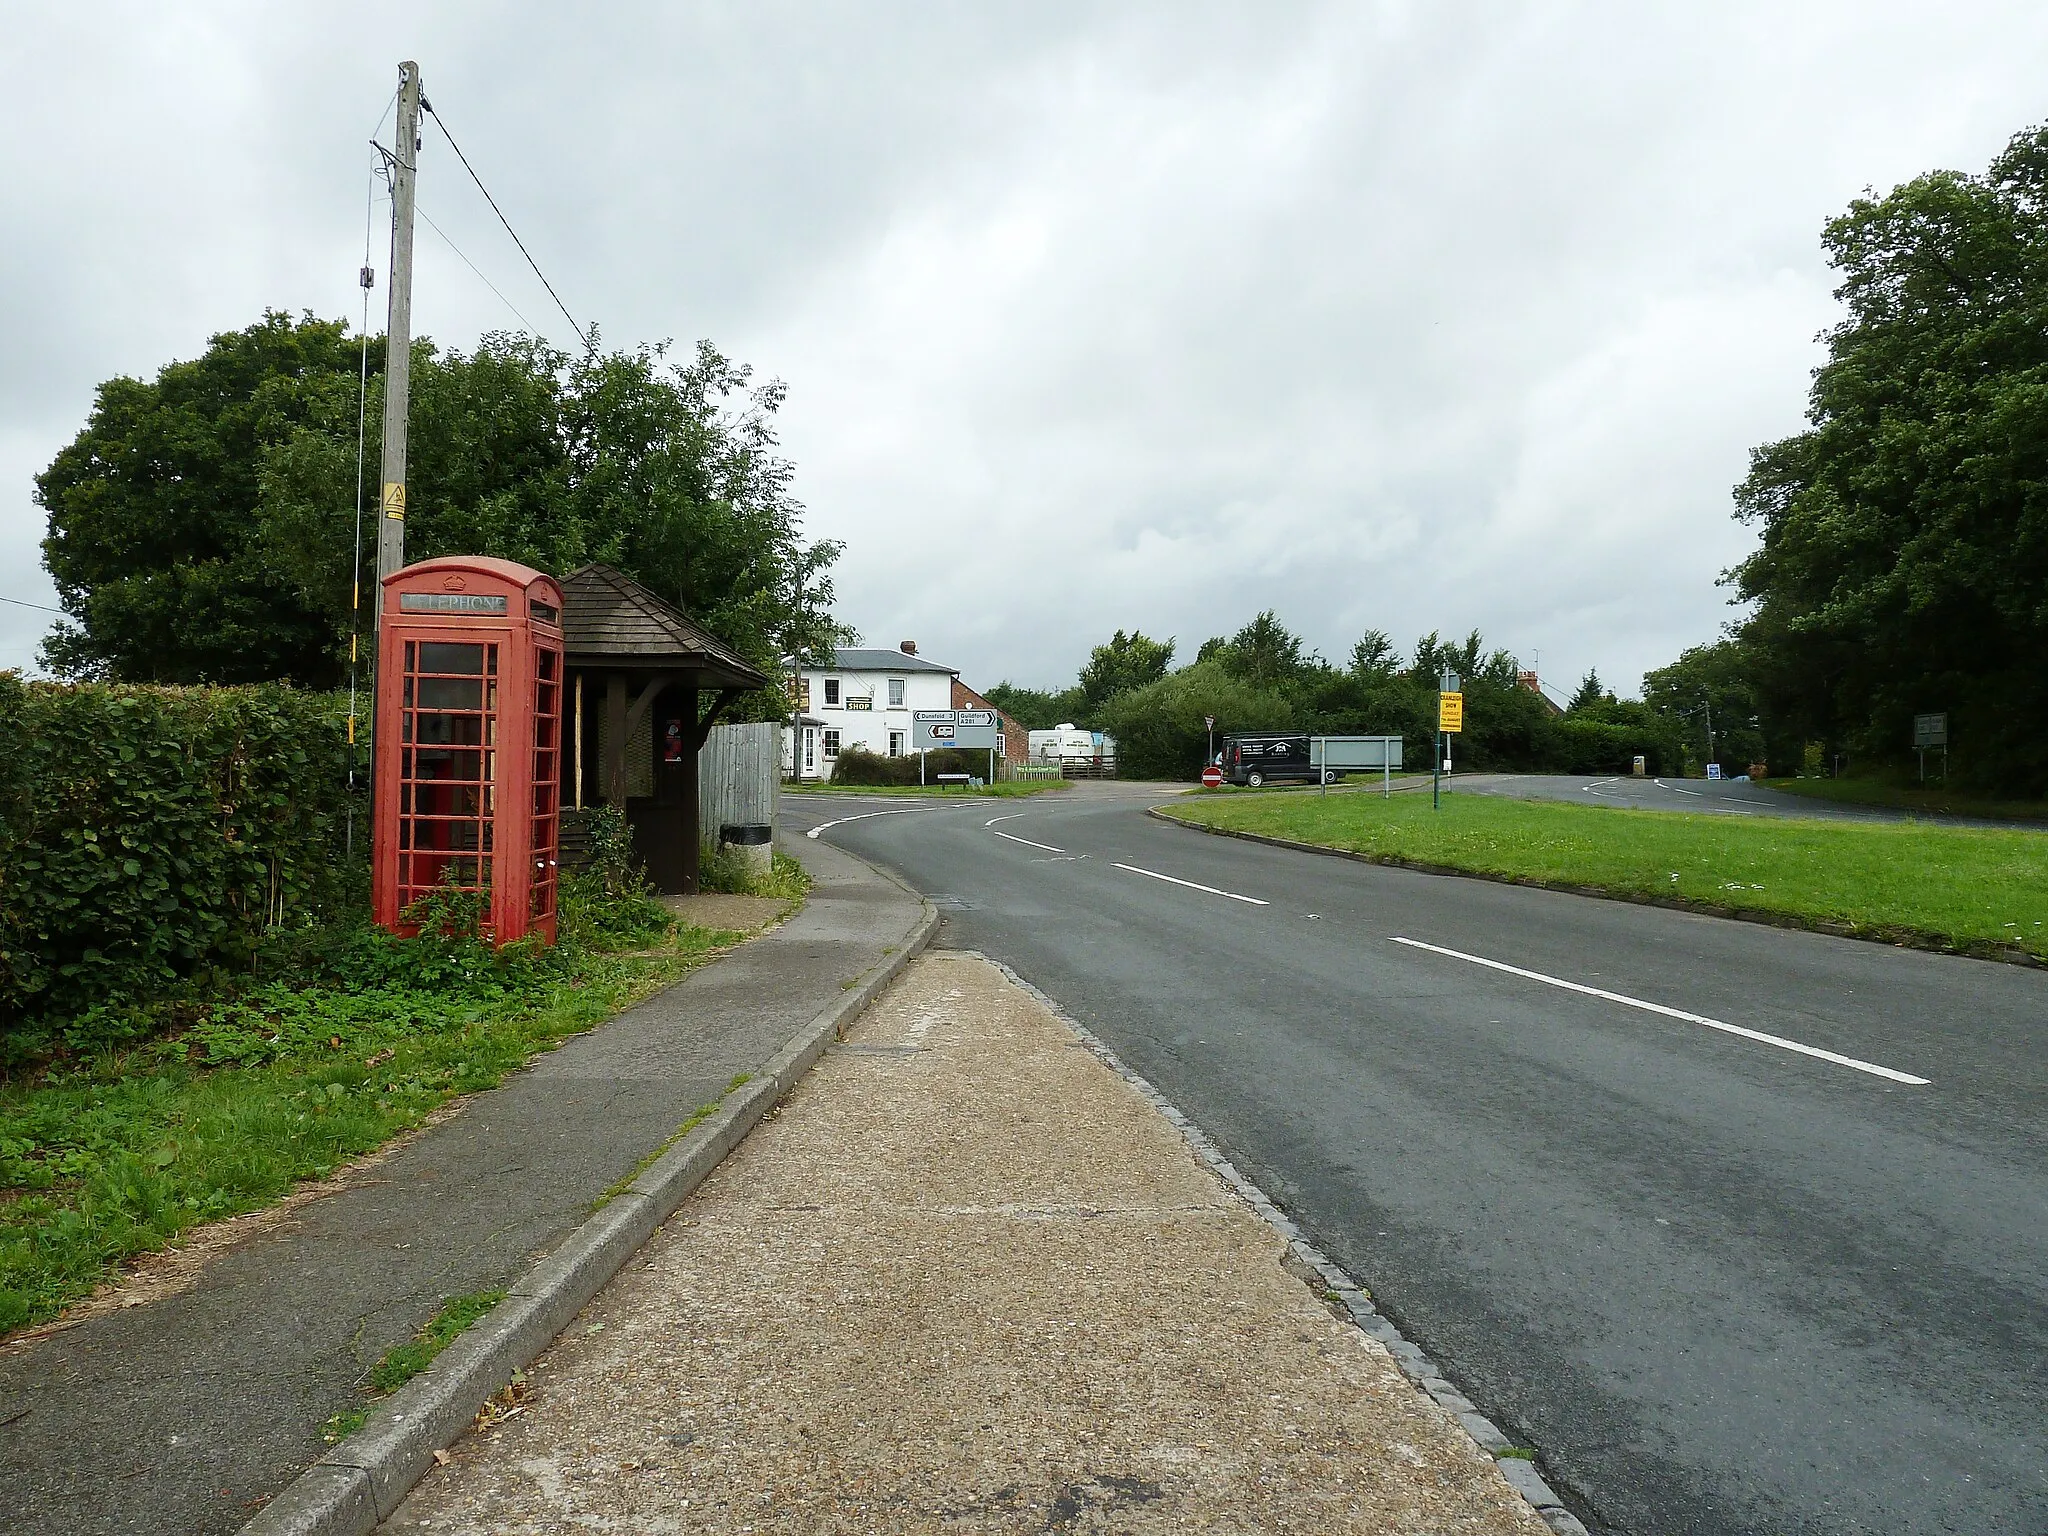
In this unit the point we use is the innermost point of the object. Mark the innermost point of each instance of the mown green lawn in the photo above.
(115, 1152)
(1964, 887)
(1004, 789)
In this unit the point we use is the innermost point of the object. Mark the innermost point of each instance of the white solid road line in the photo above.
(1696, 794)
(901, 810)
(1172, 880)
(1048, 847)
(1674, 1013)
(994, 819)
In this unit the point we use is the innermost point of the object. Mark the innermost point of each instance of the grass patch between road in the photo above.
(1007, 789)
(1965, 888)
(117, 1152)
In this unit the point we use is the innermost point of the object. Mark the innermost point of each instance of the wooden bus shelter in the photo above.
(645, 686)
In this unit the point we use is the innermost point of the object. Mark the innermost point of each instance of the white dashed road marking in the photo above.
(1154, 874)
(1674, 1013)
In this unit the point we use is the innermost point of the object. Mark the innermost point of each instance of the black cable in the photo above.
(45, 607)
(508, 227)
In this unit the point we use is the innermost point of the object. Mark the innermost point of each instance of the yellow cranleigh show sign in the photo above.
(1450, 712)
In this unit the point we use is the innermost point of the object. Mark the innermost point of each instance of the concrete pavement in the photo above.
(1723, 1286)
(966, 1280)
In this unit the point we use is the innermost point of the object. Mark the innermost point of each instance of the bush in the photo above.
(1158, 728)
(148, 835)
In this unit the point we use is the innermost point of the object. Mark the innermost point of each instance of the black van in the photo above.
(1257, 760)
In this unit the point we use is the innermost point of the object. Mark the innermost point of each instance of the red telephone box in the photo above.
(468, 741)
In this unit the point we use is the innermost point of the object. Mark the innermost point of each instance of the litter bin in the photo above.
(754, 842)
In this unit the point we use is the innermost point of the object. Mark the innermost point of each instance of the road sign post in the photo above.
(1450, 719)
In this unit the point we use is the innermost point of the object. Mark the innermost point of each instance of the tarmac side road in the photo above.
(967, 1279)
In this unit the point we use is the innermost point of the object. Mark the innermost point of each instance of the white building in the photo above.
(865, 699)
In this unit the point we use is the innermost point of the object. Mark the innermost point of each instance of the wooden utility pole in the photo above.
(398, 336)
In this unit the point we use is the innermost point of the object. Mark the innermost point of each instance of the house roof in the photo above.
(855, 659)
(609, 620)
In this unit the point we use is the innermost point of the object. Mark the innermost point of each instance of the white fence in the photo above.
(739, 776)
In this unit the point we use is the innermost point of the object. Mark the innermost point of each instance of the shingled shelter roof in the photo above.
(612, 623)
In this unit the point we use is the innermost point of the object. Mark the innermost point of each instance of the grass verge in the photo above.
(698, 1116)
(1977, 890)
(115, 1153)
(404, 1361)
(1007, 789)
(1911, 797)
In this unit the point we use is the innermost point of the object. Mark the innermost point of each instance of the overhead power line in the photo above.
(508, 230)
(449, 241)
(45, 607)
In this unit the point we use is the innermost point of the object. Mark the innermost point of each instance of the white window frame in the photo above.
(832, 693)
(831, 746)
(895, 693)
(899, 743)
(810, 747)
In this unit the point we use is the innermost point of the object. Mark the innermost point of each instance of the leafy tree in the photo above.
(1264, 653)
(1374, 655)
(1126, 662)
(1038, 710)
(1710, 683)
(202, 524)
(1158, 728)
(1590, 695)
(154, 541)
(1903, 563)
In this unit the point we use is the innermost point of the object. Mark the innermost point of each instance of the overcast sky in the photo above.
(1401, 316)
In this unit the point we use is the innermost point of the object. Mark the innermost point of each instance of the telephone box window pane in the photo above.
(450, 692)
(440, 656)
(450, 730)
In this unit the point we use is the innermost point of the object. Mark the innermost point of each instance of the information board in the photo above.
(1450, 711)
(933, 729)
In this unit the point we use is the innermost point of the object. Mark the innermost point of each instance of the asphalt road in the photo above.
(1724, 1284)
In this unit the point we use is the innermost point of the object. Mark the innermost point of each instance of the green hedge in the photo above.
(147, 834)
(858, 765)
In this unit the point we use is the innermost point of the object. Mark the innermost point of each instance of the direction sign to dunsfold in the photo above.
(932, 729)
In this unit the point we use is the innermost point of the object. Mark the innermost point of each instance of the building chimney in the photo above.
(1529, 681)
(907, 647)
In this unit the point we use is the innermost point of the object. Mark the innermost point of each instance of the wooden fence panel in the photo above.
(739, 776)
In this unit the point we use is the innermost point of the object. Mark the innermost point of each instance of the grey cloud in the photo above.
(1405, 316)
